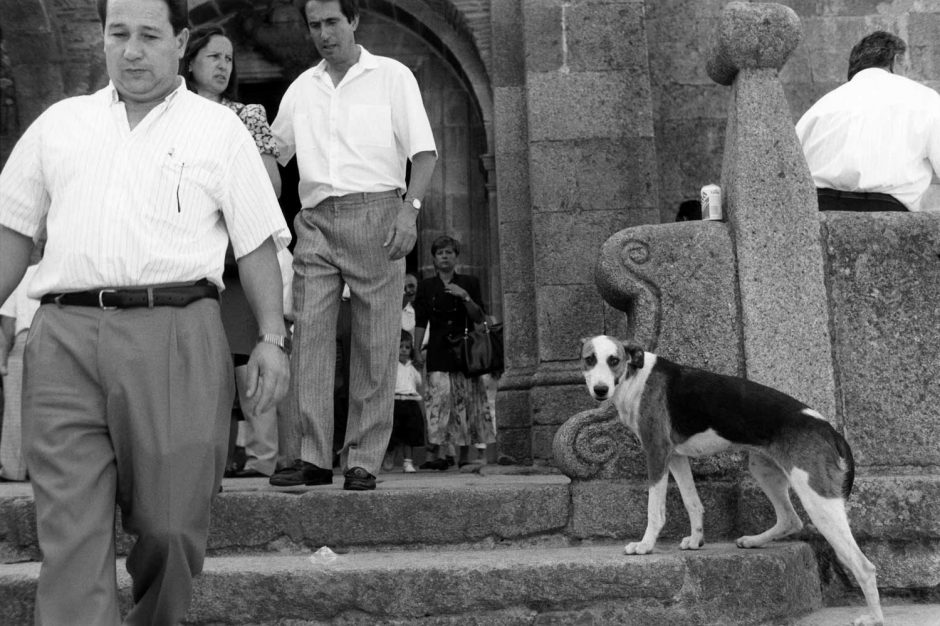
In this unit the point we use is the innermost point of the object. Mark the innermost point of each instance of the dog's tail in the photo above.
(845, 453)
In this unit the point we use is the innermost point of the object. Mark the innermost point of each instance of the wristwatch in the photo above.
(280, 341)
(415, 204)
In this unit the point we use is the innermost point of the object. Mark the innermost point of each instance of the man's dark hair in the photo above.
(349, 8)
(878, 49)
(199, 38)
(445, 241)
(179, 13)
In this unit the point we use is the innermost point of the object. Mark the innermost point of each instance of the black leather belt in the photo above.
(862, 197)
(182, 295)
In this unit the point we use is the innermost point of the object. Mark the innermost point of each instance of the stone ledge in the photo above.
(511, 586)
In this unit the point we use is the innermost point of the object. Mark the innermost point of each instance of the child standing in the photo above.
(408, 425)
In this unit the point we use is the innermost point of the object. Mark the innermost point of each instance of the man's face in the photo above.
(141, 51)
(333, 35)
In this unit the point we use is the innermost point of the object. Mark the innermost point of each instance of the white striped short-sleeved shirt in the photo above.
(149, 206)
(354, 137)
(879, 132)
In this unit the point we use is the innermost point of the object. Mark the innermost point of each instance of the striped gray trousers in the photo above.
(340, 240)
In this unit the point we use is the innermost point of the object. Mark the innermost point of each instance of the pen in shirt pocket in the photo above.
(178, 182)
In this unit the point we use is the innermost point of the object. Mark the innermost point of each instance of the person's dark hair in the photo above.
(349, 8)
(445, 241)
(879, 49)
(199, 38)
(406, 336)
(689, 210)
(179, 13)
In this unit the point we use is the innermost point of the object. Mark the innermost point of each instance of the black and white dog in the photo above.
(679, 412)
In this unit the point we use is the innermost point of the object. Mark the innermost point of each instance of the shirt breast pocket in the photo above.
(370, 125)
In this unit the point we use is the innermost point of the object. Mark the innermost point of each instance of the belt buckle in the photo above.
(101, 299)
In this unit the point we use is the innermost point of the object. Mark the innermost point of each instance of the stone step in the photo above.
(591, 583)
(408, 510)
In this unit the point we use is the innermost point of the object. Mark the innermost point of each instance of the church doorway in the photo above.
(457, 202)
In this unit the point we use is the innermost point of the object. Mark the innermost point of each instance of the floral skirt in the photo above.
(457, 411)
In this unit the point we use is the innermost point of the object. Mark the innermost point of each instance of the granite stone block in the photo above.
(516, 443)
(565, 314)
(771, 207)
(520, 336)
(581, 105)
(605, 36)
(566, 244)
(884, 275)
(553, 404)
(618, 509)
(512, 181)
(593, 174)
(677, 283)
(509, 130)
(508, 45)
(516, 255)
(513, 408)
(543, 35)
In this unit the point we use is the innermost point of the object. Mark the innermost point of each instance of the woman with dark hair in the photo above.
(208, 67)
(457, 413)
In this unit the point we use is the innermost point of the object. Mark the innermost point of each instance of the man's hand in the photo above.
(403, 234)
(268, 376)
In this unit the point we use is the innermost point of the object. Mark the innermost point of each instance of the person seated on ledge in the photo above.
(873, 144)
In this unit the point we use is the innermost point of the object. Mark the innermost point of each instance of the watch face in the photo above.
(416, 204)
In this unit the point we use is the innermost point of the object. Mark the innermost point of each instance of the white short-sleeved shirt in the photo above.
(149, 206)
(879, 132)
(357, 136)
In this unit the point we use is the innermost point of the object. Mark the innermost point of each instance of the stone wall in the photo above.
(690, 110)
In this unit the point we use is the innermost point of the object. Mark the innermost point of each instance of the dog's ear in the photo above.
(634, 352)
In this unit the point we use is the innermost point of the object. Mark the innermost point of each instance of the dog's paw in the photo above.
(867, 620)
(750, 541)
(638, 547)
(691, 543)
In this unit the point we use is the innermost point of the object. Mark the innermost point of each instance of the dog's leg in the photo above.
(655, 518)
(828, 514)
(679, 466)
(774, 483)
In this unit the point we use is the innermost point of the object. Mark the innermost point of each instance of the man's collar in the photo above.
(366, 59)
(114, 97)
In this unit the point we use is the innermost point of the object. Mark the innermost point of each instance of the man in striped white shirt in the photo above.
(128, 384)
(873, 144)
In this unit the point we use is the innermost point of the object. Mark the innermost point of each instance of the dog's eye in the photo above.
(590, 360)
(613, 361)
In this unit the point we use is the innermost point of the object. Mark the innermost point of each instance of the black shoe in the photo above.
(436, 464)
(248, 473)
(301, 473)
(357, 479)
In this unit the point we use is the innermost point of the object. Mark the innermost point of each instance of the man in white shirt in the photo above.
(128, 379)
(873, 144)
(353, 120)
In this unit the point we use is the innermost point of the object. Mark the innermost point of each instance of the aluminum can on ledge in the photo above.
(711, 202)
